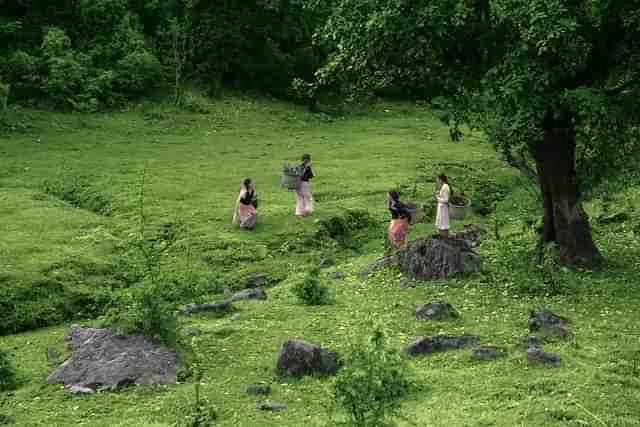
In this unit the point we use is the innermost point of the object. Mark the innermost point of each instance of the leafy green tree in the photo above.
(554, 82)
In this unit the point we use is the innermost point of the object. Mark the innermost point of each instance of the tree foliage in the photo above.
(551, 81)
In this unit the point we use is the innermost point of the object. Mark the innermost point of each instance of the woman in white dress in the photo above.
(304, 198)
(442, 213)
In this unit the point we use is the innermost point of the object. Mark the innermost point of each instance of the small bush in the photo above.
(486, 195)
(372, 384)
(78, 192)
(142, 309)
(311, 291)
(8, 374)
(343, 229)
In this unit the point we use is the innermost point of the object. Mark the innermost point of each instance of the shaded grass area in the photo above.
(195, 164)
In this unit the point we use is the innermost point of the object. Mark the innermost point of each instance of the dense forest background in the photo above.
(92, 54)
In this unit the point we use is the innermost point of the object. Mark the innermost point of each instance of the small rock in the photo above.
(336, 275)
(205, 259)
(270, 406)
(440, 343)
(299, 358)
(217, 307)
(326, 263)
(79, 390)
(407, 283)
(472, 234)
(193, 332)
(438, 310)
(535, 355)
(250, 293)
(534, 341)
(235, 317)
(257, 279)
(549, 324)
(485, 353)
(259, 390)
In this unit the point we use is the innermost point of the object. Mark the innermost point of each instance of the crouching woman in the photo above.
(245, 213)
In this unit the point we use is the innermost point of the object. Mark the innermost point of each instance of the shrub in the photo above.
(44, 302)
(142, 309)
(138, 71)
(311, 291)
(343, 229)
(8, 374)
(372, 384)
(486, 195)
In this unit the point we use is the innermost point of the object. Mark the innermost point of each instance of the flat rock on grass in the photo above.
(438, 310)
(536, 355)
(440, 343)
(101, 358)
(485, 353)
(326, 263)
(211, 307)
(271, 406)
(251, 293)
(257, 279)
(299, 358)
(549, 324)
(258, 390)
(336, 275)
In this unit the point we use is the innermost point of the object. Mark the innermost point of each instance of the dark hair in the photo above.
(442, 177)
(306, 157)
(394, 195)
(246, 183)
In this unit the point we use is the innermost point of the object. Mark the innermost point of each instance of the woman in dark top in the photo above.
(245, 213)
(304, 198)
(399, 226)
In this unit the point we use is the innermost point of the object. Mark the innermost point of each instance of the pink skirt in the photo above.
(398, 229)
(304, 199)
(248, 216)
(442, 216)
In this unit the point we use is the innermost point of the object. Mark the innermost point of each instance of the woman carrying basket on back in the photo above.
(304, 198)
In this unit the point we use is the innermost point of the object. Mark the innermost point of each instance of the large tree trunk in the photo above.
(565, 222)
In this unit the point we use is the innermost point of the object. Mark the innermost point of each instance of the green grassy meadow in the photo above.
(194, 164)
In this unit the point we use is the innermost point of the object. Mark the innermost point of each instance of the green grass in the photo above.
(194, 167)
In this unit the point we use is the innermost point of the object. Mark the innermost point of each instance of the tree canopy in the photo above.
(554, 81)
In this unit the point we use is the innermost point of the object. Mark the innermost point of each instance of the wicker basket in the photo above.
(290, 182)
(416, 213)
(457, 211)
(290, 177)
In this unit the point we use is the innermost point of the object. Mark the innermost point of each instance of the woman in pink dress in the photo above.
(304, 198)
(442, 213)
(399, 226)
(245, 213)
